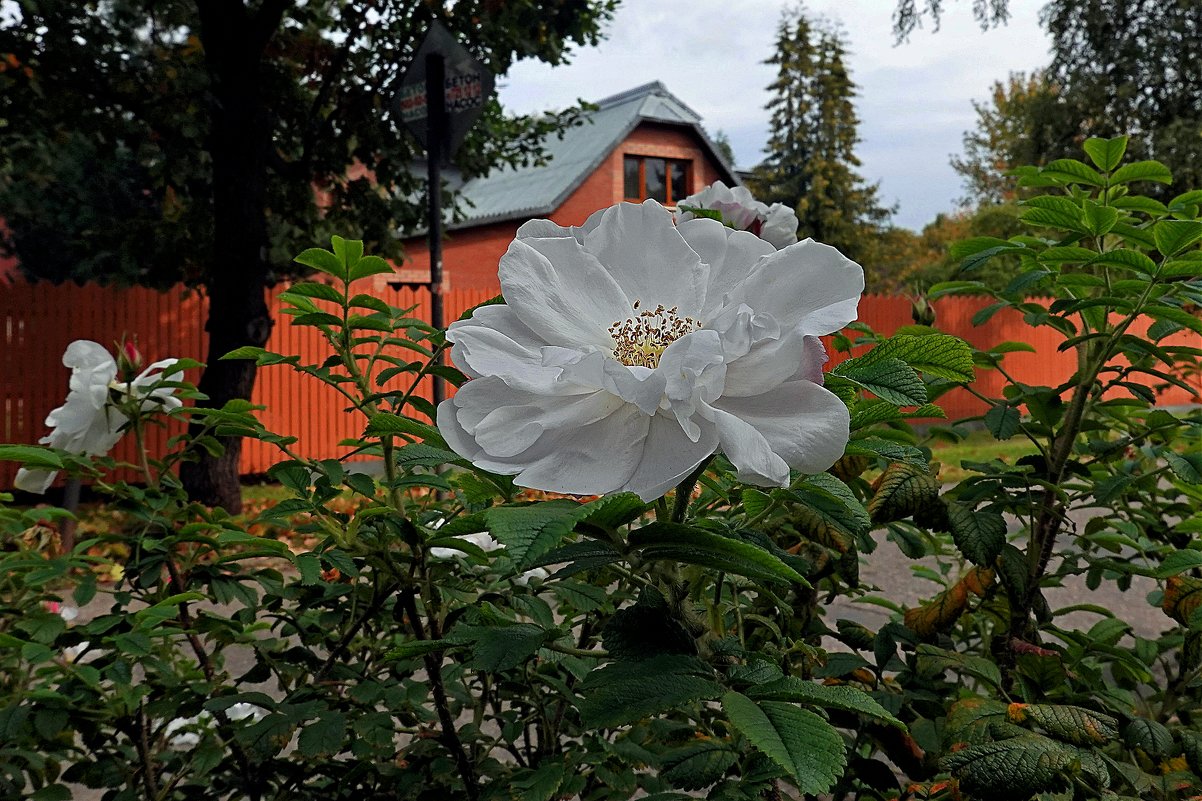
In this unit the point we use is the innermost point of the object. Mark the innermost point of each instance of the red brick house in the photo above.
(642, 143)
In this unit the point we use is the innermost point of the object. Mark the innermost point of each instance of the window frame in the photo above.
(669, 164)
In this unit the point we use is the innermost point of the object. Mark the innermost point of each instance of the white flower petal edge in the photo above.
(631, 350)
(776, 224)
(88, 423)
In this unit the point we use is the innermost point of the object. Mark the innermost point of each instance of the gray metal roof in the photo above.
(511, 193)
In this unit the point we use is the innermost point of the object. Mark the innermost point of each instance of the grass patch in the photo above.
(979, 446)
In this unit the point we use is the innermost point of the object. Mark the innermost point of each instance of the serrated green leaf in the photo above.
(797, 740)
(613, 511)
(322, 260)
(978, 535)
(1106, 154)
(1149, 736)
(1071, 171)
(842, 697)
(621, 693)
(31, 456)
(1054, 212)
(1177, 315)
(414, 648)
(529, 532)
(697, 764)
(499, 647)
(1174, 236)
(1015, 768)
(1002, 421)
(369, 265)
(1099, 219)
(1142, 171)
(939, 355)
(324, 737)
(419, 454)
(695, 546)
(244, 352)
(901, 491)
(384, 424)
(312, 289)
(1067, 255)
(889, 379)
(369, 302)
(1126, 259)
(1187, 467)
(1072, 724)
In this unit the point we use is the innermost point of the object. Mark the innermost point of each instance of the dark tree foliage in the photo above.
(1129, 67)
(208, 140)
(811, 162)
(909, 14)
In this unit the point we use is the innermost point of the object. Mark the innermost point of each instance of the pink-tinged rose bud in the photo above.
(129, 359)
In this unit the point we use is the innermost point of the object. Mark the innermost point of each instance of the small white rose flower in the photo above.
(89, 422)
(776, 223)
(630, 350)
(482, 540)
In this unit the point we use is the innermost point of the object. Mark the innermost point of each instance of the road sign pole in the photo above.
(436, 105)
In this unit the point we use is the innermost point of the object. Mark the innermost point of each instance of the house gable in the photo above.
(646, 122)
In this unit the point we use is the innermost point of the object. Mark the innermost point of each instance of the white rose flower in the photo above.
(536, 574)
(482, 540)
(89, 422)
(630, 350)
(776, 223)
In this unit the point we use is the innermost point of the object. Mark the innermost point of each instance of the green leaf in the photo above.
(1106, 154)
(369, 265)
(1099, 219)
(1142, 171)
(1002, 421)
(889, 379)
(1187, 467)
(31, 456)
(1174, 236)
(1015, 768)
(694, 546)
(408, 650)
(310, 289)
(645, 630)
(500, 647)
(1072, 724)
(1071, 171)
(384, 424)
(979, 535)
(621, 693)
(322, 260)
(324, 737)
(901, 491)
(842, 697)
(419, 454)
(697, 765)
(52, 792)
(1067, 255)
(528, 532)
(1054, 212)
(1126, 259)
(799, 741)
(1149, 736)
(244, 352)
(370, 302)
(1175, 314)
(940, 355)
(612, 511)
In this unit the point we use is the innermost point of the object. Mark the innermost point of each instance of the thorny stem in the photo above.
(450, 736)
(684, 490)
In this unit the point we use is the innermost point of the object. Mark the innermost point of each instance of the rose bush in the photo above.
(451, 637)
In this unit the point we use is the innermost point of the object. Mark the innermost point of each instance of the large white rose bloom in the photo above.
(776, 223)
(630, 349)
(89, 422)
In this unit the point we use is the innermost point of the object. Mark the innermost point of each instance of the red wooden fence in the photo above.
(37, 321)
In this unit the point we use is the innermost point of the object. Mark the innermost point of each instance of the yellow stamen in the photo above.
(641, 339)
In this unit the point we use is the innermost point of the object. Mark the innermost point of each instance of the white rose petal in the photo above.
(88, 423)
(535, 574)
(630, 350)
(776, 224)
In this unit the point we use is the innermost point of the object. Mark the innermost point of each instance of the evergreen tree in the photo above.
(811, 162)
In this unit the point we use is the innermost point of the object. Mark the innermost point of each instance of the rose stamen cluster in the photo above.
(640, 340)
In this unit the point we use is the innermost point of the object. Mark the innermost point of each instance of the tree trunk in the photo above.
(239, 143)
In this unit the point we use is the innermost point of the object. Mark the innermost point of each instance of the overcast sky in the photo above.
(915, 99)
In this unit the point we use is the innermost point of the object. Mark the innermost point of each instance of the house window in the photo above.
(665, 180)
